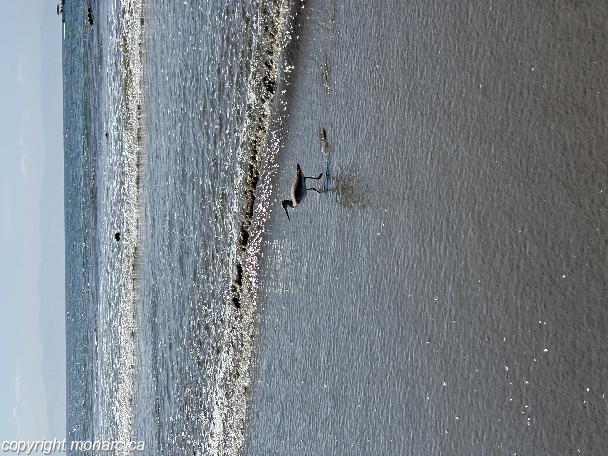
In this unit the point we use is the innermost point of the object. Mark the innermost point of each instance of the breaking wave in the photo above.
(259, 146)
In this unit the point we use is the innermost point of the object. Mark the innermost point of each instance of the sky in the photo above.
(32, 305)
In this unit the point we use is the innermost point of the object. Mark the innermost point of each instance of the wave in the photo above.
(251, 210)
(131, 51)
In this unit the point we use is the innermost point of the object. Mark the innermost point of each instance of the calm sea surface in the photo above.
(444, 295)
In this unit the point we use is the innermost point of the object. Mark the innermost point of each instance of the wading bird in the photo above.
(298, 189)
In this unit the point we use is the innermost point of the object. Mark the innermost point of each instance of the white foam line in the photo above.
(131, 36)
(230, 395)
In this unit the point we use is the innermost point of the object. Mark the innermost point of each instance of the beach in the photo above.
(448, 295)
(442, 294)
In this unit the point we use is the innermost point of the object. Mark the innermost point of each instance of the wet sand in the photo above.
(447, 295)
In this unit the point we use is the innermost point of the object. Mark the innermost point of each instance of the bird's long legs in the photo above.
(314, 190)
(315, 178)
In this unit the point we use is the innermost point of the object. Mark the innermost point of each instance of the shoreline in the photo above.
(257, 151)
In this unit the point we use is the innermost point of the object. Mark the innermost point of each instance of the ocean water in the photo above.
(101, 129)
(168, 112)
(444, 295)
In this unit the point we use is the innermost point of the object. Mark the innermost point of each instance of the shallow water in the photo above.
(448, 295)
(444, 295)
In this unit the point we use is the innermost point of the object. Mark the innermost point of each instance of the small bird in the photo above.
(298, 190)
